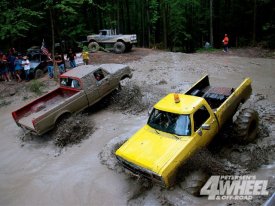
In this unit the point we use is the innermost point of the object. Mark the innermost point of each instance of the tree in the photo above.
(17, 18)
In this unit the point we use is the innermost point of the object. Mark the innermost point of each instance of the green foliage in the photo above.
(16, 19)
(35, 86)
(179, 24)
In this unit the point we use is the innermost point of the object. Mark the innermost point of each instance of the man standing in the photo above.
(85, 55)
(60, 63)
(225, 43)
(50, 65)
(71, 56)
(26, 65)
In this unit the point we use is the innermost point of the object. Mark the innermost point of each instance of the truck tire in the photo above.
(93, 46)
(38, 74)
(119, 47)
(246, 126)
(194, 182)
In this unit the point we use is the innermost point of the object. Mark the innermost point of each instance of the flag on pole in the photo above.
(44, 50)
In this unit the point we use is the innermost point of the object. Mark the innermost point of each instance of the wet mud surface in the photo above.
(76, 165)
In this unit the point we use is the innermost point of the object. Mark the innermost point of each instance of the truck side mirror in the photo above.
(199, 131)
(205, 127)
(150, 110)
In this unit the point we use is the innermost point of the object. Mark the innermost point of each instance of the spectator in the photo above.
(60, 63)
(18, 67)
(85, 55)
(26, 65)
(50, 66)
(4, 67)
(225, 43)
(11, 59)
(71, 56)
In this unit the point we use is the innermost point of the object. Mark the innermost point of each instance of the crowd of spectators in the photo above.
(14, 66)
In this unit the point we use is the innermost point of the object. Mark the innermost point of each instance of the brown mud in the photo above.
(87, 173)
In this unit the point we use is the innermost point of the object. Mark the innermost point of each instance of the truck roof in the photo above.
(187, 104)
(80, 71)
(83, 70)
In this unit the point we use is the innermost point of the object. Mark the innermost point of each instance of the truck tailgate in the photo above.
(27, 115)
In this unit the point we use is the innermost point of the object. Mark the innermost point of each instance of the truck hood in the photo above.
(151, 149)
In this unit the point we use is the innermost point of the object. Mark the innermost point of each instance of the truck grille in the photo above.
(140, 171)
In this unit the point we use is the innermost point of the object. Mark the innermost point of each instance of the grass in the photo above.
(35, 87)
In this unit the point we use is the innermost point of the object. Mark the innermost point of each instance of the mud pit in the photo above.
(78, 175)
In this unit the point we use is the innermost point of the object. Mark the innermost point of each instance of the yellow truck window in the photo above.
(172, 123)
(200, 117)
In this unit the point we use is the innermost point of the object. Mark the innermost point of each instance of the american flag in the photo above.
(44, 49)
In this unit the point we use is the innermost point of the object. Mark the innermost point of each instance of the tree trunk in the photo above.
(211, 24)
(164, 23)
(148, 23)
(53, 43)
(254, 23)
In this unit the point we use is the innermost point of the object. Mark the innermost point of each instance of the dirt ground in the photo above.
(36, 171)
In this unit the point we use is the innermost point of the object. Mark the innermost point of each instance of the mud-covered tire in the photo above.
(119, 47)
(194, 182)
(38, 74)
(246, 126)
(93, 46)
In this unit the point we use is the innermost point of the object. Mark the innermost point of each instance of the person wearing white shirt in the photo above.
(26, 65)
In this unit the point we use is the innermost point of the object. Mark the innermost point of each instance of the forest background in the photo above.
(177, 25)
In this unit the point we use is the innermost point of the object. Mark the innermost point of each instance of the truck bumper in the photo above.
(141, 172)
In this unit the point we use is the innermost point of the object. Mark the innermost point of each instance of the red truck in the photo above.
(79, 88)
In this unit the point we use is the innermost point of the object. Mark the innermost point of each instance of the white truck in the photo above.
(108, 38)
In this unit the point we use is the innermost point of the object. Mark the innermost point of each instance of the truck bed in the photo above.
(214, 96)
(36, 109)
(223, 101)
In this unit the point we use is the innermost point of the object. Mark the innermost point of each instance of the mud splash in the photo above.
(133, 99)
(68, 132)
(73, 130)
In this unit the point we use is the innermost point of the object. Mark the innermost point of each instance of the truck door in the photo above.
(102, 81)
(205, 125)
(91, 89)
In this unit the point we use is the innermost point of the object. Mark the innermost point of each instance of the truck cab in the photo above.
(177, 126)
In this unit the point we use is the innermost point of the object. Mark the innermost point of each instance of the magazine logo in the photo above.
(234, 187)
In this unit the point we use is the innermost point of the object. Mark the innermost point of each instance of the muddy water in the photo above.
(36, 172)
(39, 174)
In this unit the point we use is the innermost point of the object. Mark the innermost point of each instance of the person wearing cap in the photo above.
(26, 65)
(225, 43)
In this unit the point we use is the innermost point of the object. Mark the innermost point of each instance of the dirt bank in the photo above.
(88, 174)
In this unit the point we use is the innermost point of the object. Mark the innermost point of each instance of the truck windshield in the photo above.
(177, 124)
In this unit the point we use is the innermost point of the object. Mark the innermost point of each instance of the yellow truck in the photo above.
(180, 124)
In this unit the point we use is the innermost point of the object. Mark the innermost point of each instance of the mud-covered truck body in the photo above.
(108, 37)
(79, 88)
(178, 126)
